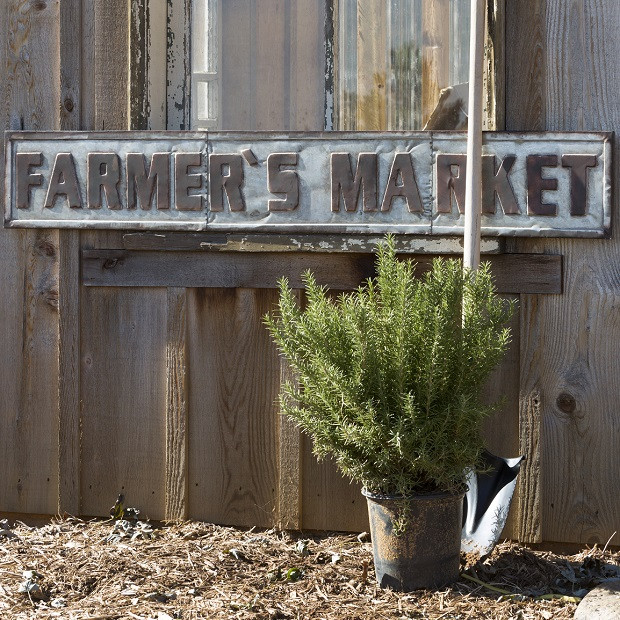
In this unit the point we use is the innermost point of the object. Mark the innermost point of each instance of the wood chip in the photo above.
(188, 570)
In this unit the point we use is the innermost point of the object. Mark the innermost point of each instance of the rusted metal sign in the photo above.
(547, 184)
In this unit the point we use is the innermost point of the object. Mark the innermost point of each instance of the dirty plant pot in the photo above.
(427, 553)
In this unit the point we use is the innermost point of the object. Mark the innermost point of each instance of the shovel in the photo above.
(490, 493)
(487, 503)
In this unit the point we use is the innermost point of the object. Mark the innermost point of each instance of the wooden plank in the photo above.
(299, 243)
(28, 379)
(569, 348)
(123, 389)
(234, 381)
(289, 459)
(514, 273)
(501, 429)
(217, 269)
(69, 277)
(29, 331)
(330, 501)
(525, 108)
(138, 64)
(238, 63)
(69, 373)
(435, 53)
(372, 69)
(111, 64)
(176, 405)
(495, 68)
(273, 59)
(122, 433)
(177, 64)
(307, 65)
(529, 527)
(87, 81)
(526, 65)
(70, 63)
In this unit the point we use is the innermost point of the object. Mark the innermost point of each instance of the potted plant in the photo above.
(389, 381)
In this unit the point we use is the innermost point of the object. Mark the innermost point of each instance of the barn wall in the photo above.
(562, 74)
(167, 394)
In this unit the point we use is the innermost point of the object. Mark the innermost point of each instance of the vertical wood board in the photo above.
(435, 53)
(69, 276)
(70, 63)
(29, 330)
(562, 75)
(372, 65)
(234, 378)
(111, 64)
(273, 58)
(289, 461)
(329, 501)
(238, 65)
(307, 65)
(177, 83)
(69, 452)
(176, 405)
(501, 429)
(123, 387)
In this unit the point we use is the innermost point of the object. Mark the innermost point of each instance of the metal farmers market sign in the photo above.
(534, 184)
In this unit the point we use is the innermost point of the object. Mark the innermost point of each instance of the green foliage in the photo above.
(390, 376)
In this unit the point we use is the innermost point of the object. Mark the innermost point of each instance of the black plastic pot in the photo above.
(427, 553)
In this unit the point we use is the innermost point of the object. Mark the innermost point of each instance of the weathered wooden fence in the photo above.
(163, 386)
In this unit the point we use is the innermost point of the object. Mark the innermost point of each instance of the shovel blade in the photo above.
(487, 503)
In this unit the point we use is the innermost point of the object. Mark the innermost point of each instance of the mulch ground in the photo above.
(127, 569)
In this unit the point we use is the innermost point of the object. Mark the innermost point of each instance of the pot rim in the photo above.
(421, 496)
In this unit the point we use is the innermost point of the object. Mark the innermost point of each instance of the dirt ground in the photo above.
(75, 570)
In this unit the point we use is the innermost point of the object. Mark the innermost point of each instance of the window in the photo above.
(394, 58)
(311, 64)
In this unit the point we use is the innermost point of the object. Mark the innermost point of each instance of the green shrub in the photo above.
(390, 376)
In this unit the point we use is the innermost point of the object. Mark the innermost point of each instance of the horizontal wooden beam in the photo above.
(514, 273)
(256, 242)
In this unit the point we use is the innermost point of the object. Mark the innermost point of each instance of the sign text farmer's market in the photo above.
(533, 184)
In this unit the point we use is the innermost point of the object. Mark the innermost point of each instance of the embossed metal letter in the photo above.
(231, 183)
(25, 178)
(141, 188)
(536, 184)
(283, 181)
(184, 181)
(63, 182)
(402, 169)
(497, 182)
(578, 165)
(343, 182)
(450, 184)
(103, 177)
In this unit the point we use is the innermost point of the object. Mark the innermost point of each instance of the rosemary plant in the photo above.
(390, 376)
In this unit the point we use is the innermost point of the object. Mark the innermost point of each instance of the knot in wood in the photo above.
(566, 402)
(110, 263)
(68, 103)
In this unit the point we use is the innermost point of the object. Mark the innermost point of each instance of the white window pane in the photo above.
(207, 100)
(205, 35)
